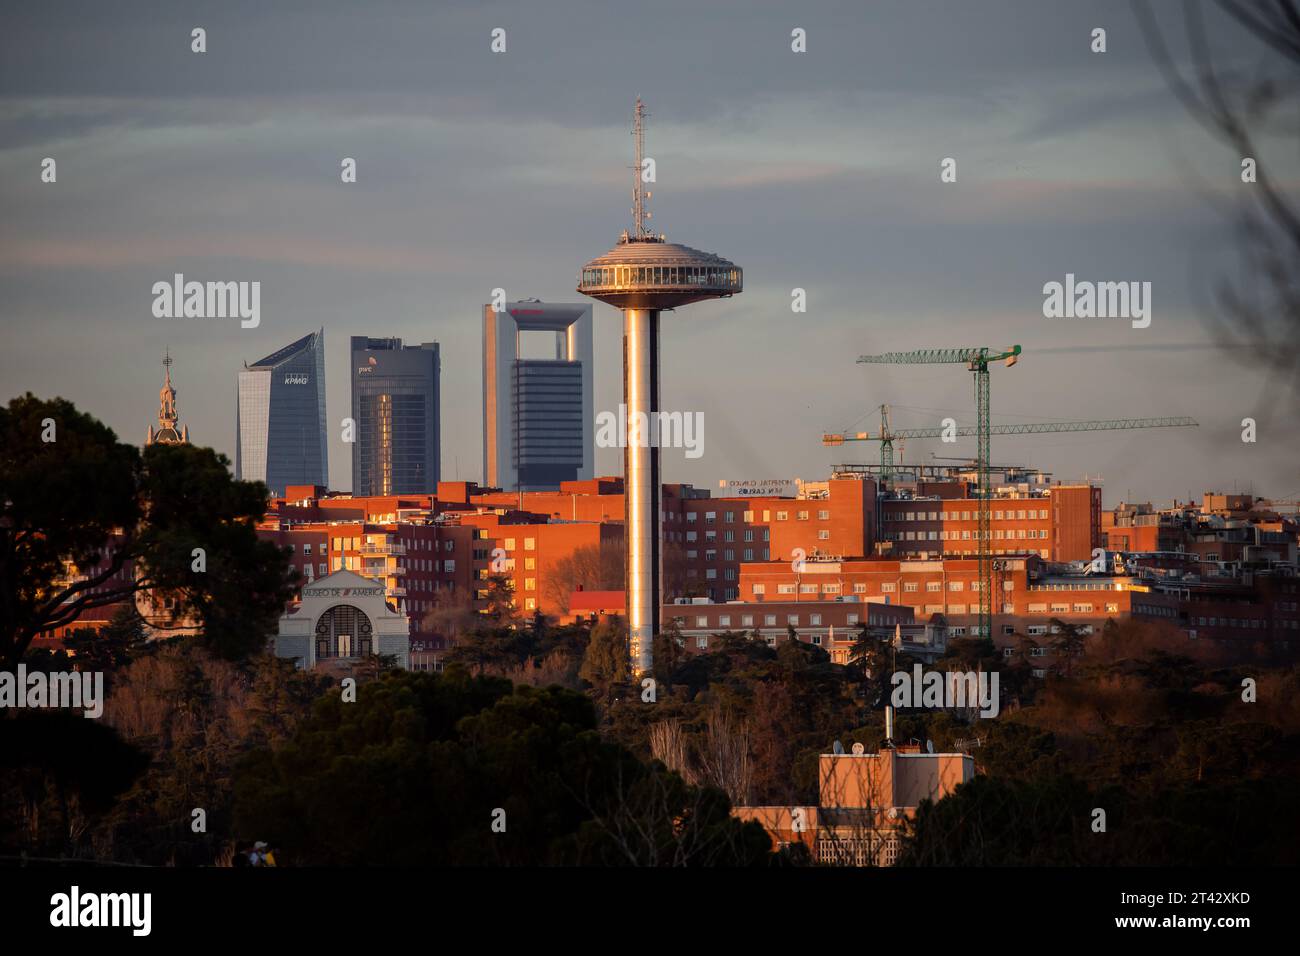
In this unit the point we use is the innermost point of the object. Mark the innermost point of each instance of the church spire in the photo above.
(168, 433)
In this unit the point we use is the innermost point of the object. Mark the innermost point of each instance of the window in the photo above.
(814, 619)
(702, 621)
(887, 587)
(702, 642)
(510, 544)
(823, 535)
(823, 516)
(724, 620)
(530, 584)
(769, 620)
(792, 620)
(747, 620)
(955, 586)
(934, 586)
(909, 586)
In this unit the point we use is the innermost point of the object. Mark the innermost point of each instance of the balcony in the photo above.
(394, 547)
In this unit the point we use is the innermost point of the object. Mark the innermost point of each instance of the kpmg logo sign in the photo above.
(296, 378)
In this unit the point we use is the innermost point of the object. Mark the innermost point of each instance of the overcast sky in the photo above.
(478, 170)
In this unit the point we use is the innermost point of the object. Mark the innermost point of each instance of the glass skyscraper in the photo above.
(395, 404)
(280, 417)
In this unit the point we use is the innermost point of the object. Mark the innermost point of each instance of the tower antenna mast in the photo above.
(639, 195)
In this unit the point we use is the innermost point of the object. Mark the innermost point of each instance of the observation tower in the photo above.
(642, 276)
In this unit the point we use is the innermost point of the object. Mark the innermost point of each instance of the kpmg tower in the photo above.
(643, 275)
(280, 417)
(395, 406)
(537, 411)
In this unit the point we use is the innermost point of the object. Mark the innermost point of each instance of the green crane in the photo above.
(977, 360)
(887, 436)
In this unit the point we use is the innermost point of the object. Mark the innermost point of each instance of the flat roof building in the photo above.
(280, 417)
(537, 413)
(396, 408)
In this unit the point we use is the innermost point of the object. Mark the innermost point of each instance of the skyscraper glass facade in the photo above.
(281, 417)
(395, 404)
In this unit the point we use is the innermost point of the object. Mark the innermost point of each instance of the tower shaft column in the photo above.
(642, 485)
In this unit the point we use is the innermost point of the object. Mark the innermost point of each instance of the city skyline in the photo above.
(1092, 171)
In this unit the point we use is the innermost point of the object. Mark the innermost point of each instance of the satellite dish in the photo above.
(838, 748)
(859, 749)
(929, 746)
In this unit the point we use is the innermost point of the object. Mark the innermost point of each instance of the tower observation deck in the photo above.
(643, 275)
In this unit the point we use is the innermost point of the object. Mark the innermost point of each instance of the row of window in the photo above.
(1246, 622)
(1032, 514)
(359, 542)
(1019, 534)
(886, 587)
(728, 536)
(661, 276)
(728, 554)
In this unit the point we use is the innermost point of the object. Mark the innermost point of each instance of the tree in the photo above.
(474, 773)
(499, 600)
(1248, 111)
(87, 521)
(606, 661)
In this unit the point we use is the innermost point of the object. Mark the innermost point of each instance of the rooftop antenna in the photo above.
(639, 194)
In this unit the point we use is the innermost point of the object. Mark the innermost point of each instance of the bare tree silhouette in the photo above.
(1257, 313)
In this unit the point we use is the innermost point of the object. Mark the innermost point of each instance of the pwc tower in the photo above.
(643, 276)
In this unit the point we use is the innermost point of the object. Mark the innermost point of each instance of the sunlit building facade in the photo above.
(395, 408)
(281, 417)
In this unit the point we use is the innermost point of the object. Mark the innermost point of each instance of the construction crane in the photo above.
(978, 361)
(887, 436)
